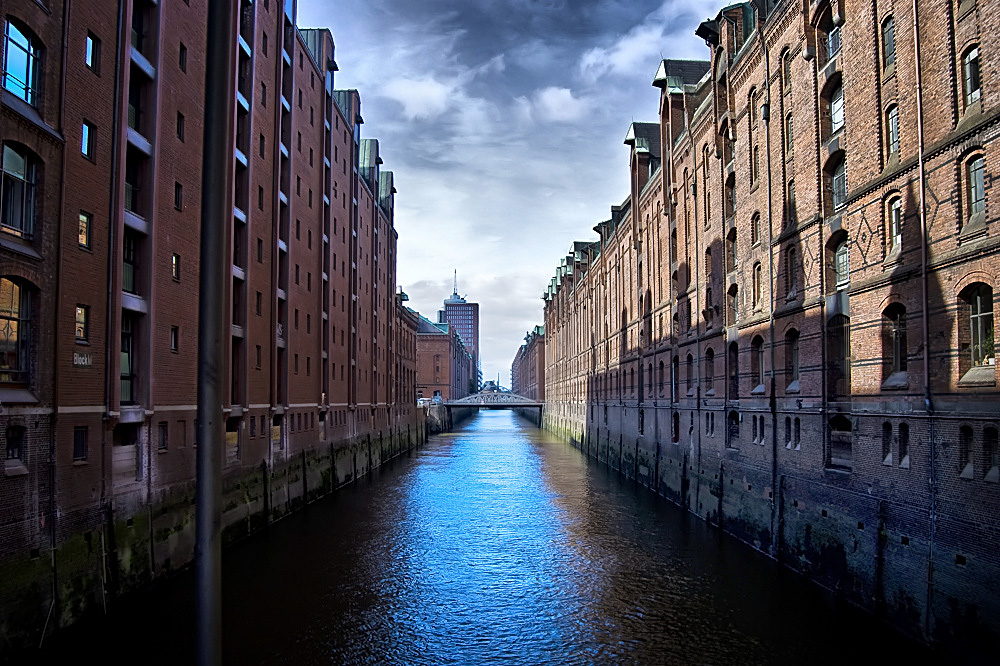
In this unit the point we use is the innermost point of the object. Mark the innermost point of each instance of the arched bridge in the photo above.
(495, 400)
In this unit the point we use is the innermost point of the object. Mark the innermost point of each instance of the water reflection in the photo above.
(497, 544)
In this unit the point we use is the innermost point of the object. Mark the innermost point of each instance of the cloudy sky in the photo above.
(503, 123)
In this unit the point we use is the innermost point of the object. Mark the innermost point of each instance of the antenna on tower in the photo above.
(454, 289)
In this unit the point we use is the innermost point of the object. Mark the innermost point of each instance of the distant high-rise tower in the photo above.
(464, 317)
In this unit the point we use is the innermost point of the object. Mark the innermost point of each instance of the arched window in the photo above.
(886, 443)
(839, 357)
(734, 370)
(836, 108)
(690, 373)
(789, 135)
(904, 445)
(792, 360)
(838, 184)
(965, 452)
(888, 43)
(17, 208)
(841, 264)
(21, 63)
(894, 225)
(841, 443)
(675, 428)
(977, 301)
(757, 362)
(791, 216)
(975, 186)
(755, 230)
(731, 251)
(732, 306)
(709, 369)
(708, 263)
(892, 130)
(791, 271)
(662, 379)
(786, 72)
(675, 368)
(990, 455)
(894, 342)
(757, 293)
(15, 331)
(733, 433)
(649, 382)
(970, 76)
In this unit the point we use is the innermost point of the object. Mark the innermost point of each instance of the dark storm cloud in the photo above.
(503, 122)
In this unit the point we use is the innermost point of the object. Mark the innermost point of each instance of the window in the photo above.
(990, 454)
(175, 266)
(87, 140)
(757, 286)
(904, 445)
(757, 362)
(839, 184)
(841, 443)
(79, 443)
(178, 196)
(975, 180)
(17, 207)
(841, 264)
(754, 165)
(791, 271)
(888, 43)
(263, 94)
(253, 426)
(175, 335)
(15, 443)
(92, 53)
(264, 43)
(161, 439)
(259, 303)
(894, 226)
(82, 323)
(894, 348)
(792, 359)
(709, 369)
(20, 67)
(979, 301)
(83, 237)
(180, 125)
(970, 78)
(965, 452)
(260, 250)
(690, 373)
(261, 148)
(182, 57)
(755, 229)
(837, 109)
(886, 443)
(789, 135)
(839, 356)
(892, 129)
(833, 41)
(258, 366)
(790, 214)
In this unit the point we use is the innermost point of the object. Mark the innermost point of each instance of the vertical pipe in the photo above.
(928, 404)
(215, 214)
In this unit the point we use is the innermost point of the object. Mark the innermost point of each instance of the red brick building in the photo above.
(798, 295)
(444, 365)
(99, 275)
(527, 372)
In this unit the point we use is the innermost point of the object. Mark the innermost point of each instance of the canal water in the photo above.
(494, 544)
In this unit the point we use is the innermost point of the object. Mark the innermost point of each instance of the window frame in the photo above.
(894, 225)
(87, 132)
(892, 129)
(82, 324)
(92, 53)
(26, 89)
(26, 184)
(971, 76)
(888, 42)
(85, 223)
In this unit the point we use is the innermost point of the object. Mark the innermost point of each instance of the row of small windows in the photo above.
(975, 339)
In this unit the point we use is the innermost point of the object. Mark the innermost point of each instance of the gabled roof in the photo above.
(644, 137)
(679, 73)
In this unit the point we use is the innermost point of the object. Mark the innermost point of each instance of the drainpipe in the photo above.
(112, 217)
(928, 403)
(772, 400)
(50, 514)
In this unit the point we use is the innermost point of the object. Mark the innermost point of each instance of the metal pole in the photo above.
(215, 214)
